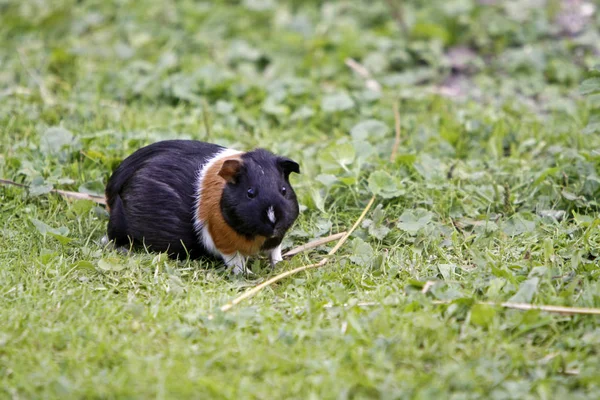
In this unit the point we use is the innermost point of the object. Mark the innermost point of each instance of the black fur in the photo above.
(152, 195)
(266, 174)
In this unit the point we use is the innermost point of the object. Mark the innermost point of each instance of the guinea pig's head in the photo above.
(258, 198)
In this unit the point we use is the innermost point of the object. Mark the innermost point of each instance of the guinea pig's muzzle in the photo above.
(277, 224)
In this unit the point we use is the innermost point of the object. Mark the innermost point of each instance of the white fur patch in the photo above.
(237, 263)
(208, 242)
(271, 214)
(199, 225)
(275, 255)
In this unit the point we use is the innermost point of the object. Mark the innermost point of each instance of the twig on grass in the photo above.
(313, 244)
(515, 306)
(259, 287)
(9, 182)
(427, 286)
(64, 193)
(572, 372)
(541, 307)
(361, 70)
(80, 196)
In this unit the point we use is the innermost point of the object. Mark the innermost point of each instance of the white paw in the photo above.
(275, 255)
(122, 250)
(237, 263)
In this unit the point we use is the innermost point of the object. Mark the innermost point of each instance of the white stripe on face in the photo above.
(271, 214)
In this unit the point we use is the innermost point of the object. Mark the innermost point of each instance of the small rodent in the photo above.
(190, 198)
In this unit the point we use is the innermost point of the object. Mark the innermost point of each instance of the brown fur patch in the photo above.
(226, 240)
(229, 169)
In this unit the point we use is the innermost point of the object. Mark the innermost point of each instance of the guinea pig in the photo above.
(194, 199)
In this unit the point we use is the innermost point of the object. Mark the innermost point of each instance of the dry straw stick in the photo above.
(546, 308)
(314, 243)
(515, 306)
(360, 69)
(64, 193)
(251, 292)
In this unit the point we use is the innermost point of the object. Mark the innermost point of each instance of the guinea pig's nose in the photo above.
(271, 215)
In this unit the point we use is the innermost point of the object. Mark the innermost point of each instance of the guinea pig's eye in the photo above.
(283, 190)
(251, 193)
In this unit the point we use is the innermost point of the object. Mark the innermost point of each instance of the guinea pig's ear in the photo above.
(230, 169)
(288, 166)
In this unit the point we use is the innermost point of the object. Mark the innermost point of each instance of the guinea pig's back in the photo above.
(151, 196)
(164, 151)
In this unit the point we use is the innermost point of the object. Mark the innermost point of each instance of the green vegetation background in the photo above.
(493, 197)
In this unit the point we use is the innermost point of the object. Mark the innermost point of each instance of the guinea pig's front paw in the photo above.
(104, 241)
(237, 263)
(275, 256)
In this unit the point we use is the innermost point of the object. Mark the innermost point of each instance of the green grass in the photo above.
(493, 197)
